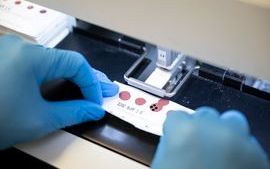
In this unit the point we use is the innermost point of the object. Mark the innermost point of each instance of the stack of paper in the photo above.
(35, 23)
(140, 109)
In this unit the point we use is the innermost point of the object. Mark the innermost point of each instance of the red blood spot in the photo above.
(159, 105)
(163, 102)
(124, 95)
(30, 7)
(18, 2)
(140, 101)
(43, 11)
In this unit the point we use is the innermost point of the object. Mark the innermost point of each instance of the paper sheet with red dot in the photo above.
(28, 18)
(33, 22)
(143, 110)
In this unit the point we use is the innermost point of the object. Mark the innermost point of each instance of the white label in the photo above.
(140, 109)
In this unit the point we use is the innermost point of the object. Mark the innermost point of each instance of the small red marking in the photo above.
(30, 7)
(159, 105)
(18, 2)
(43, 11)
(124, 95)
(163, 102)
(140, 101)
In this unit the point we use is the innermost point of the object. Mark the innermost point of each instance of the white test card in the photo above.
(144, 111)
(28, 18)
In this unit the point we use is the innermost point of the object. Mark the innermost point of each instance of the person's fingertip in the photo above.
(236, 120)
(234, 114)
(109, 89)
(93, 93)
(174, 117)
(99, 115)
(178, 114)
(174, 121)
(206, 112)
(95, 112)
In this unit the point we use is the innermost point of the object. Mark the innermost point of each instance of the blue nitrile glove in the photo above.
(206, 140)
(24, 114)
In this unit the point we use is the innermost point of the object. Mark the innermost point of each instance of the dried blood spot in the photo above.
(124, 95)
(42, 11)
(159, 105)
(18, 2)
(163, 102)
(30, 7)
(140, 101)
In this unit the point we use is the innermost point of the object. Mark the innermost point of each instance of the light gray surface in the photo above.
(225, 32)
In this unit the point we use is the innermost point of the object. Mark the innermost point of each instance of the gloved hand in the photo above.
(206, 140)
(24, 114)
